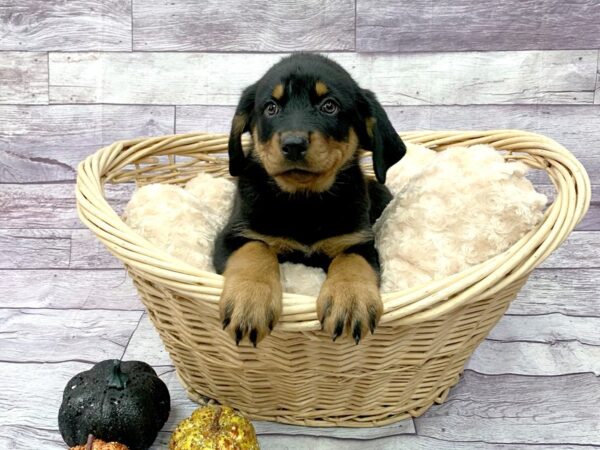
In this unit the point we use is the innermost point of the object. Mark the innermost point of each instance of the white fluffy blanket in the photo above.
(451, 210)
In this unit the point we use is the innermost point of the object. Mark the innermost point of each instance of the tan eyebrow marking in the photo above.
(321, 88)
(277, 91)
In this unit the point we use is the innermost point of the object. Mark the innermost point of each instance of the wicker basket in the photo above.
(298, 375)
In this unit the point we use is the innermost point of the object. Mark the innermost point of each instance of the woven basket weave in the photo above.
(298, 375)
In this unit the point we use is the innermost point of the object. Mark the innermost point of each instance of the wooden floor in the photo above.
(80, 74)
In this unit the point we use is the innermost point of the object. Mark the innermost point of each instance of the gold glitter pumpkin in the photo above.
(214, 428)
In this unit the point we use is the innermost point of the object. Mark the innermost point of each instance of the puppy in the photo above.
(302, 197)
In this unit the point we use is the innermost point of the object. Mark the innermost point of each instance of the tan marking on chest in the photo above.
(331, 246)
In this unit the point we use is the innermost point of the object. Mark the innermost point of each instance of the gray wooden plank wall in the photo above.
(77, 75)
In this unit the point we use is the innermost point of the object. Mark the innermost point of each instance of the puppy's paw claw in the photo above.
(346, 307)
(250, 308)
(339, 329)
(239, 334)
(226, 322)
(253, 336)
(374, 315)
(357, 331)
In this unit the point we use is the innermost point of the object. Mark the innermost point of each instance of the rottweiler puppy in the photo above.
(302, 197)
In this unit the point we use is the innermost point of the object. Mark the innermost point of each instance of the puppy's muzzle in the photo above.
(294, 147)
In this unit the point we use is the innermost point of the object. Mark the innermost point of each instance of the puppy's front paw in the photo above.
(349, 301)
(250, 307)
(250, 303)
(349, 306)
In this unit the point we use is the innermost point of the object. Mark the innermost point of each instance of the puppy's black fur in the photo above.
(351, 204)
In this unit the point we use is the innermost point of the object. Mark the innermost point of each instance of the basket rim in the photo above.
(408, 306)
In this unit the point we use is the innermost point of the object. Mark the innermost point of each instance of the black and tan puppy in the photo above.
(302, 197)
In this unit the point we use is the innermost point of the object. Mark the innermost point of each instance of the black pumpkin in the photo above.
(117, 401)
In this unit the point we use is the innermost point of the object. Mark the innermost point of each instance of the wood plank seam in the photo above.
(597, 88)
(48, 78)
(131, 19)
(524, 375)
(586, 316)
(552, 342)
(355, 26)
(115, 310)
(64, 361)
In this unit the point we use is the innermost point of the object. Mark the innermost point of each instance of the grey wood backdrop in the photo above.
(75, 75)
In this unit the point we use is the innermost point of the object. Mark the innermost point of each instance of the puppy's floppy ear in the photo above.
(378, 135)
(240, 124)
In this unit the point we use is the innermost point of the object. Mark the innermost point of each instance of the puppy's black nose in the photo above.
(294, 147)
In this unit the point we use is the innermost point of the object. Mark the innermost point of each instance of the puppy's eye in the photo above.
(329, 107)
(271, 109)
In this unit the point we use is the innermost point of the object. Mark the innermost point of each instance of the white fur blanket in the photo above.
(451, 210)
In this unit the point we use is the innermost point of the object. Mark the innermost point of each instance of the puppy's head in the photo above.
(308, 118)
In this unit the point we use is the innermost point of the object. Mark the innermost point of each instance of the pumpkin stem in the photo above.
(90, 442)
(214, 427)
(117, 379)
